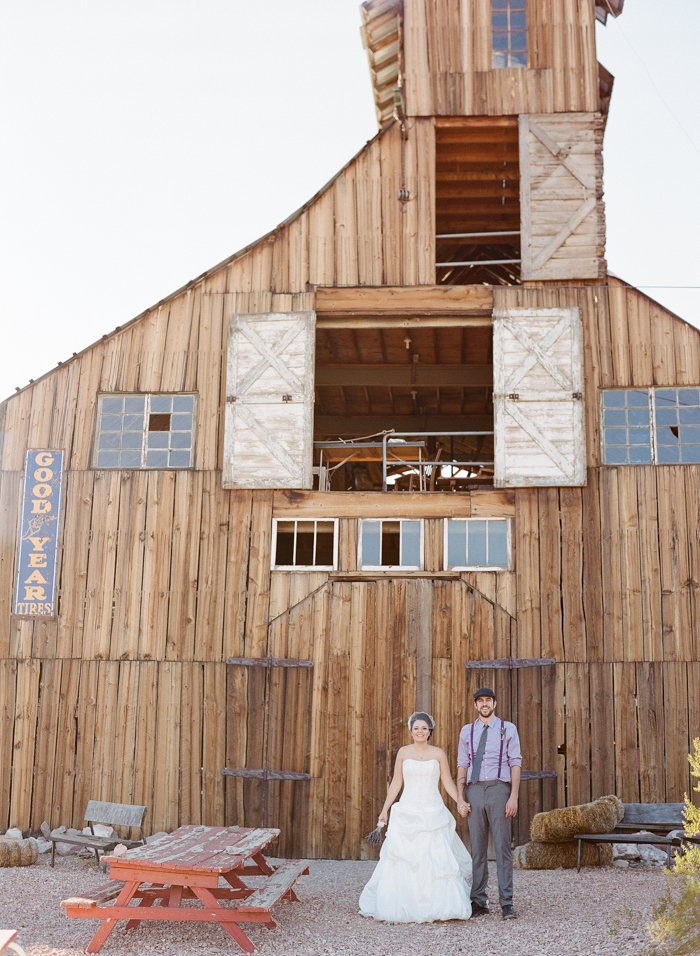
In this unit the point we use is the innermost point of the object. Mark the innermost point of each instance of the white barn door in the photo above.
(539, 424)
(268, 441)
(562, 218)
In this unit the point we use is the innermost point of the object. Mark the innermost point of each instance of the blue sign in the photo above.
(35, 593)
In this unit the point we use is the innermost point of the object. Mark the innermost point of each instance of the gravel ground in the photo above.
(561, 913)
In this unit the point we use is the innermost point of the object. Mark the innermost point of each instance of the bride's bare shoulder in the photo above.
(438, 753)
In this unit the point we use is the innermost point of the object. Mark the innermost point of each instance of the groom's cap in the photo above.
(484, 692)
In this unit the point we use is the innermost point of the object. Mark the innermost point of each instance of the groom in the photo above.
(489, 763)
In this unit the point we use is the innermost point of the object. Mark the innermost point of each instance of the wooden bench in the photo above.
(277, 887)
(110, 814)
(663, 820)
(109, 891)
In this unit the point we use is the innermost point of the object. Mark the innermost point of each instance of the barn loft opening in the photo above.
(477, 204)
(387, 398)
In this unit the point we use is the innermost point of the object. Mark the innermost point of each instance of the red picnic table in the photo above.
(186, 865)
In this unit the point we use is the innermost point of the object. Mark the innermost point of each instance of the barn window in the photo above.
(305, 544)
(477, 543)
(391, 544)
(644, 426)
(144, 431)
(677, 421)
(508, 33)
(627, 427)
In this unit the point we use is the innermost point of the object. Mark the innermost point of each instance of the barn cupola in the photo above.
(519, 104)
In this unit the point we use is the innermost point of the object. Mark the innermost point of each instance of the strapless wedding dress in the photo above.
(423, 865)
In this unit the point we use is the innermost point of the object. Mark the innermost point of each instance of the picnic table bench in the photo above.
(187, 865)
(663, 820)
(112, 814)
(7, 941)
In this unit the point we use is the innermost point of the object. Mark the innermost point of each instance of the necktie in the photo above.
(479, 756)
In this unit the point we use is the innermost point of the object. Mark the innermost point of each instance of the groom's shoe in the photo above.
(508, 911)
(478, 910)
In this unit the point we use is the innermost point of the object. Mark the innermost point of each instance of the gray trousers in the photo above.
(488, 812)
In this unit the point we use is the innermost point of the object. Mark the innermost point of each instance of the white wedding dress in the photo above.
(423, 865)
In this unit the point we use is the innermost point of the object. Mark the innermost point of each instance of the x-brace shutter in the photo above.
(268, 440)
(539, 427)
(562, 220)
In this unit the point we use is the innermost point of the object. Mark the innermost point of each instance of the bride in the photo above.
(423, 865)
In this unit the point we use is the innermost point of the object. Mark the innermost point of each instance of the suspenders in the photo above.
(500, 755)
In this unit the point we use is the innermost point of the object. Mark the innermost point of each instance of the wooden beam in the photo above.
(405, 300)
(466, 375)
(508, 663)
(268, 662)
(371, 424)
(372, 504)
(393, 320)
(266, 774)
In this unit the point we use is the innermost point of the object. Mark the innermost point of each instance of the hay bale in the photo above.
(18, 852)
(550, 856)
(558, 826)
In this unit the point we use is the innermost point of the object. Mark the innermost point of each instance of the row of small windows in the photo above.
(644, 426)
(386, 544)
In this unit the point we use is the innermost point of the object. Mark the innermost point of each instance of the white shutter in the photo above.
(268, 441)
(561, 187)
(539, 425)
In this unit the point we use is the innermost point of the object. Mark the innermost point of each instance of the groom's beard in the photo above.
(485, 712)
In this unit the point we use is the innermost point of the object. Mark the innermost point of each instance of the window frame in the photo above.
(391, 567)
(304, 567)
(479, 567)
(144, 447)
(508, 53)
(653, 444)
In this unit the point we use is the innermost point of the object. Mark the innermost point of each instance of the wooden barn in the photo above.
(414, 440)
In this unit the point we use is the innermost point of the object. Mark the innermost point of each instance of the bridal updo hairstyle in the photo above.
(421, 715)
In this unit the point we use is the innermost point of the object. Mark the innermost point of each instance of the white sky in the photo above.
(146, 140)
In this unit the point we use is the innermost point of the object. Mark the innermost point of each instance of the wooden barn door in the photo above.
(268, 440)
(539, 421)
(561, 187)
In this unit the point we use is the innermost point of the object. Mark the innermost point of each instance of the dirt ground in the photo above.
(560, 913)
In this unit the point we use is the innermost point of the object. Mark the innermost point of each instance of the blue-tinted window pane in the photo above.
(500, 41)
(180, 439)
(668, 455)
(666, 436)
(132, 439)
(614, 399)
(499, 21)
(689, 435)
(498, 60)
(637, 399)
(499, 4)
(615, 416)
(130, 458)
(518, 59)
(666, 416)
(157, 459)
(517, 20)
(689, 416)
(179, 459)
(109, 440)
(181, 423)
(183, 403)
(410, 544)
(456, 544)
(688, 396)
(637, 416)
(616, 456)
(161, 403)
(665, 396)
(476, 543)
(518, 41)
(107, 459)
(111, 423)
(371, 543)
(638, 436)
(132, 423)
(158, 439)
(498, 544)
(134, 403)
(112, 403)
(690, 454)
(639, 455)
(615, 436)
